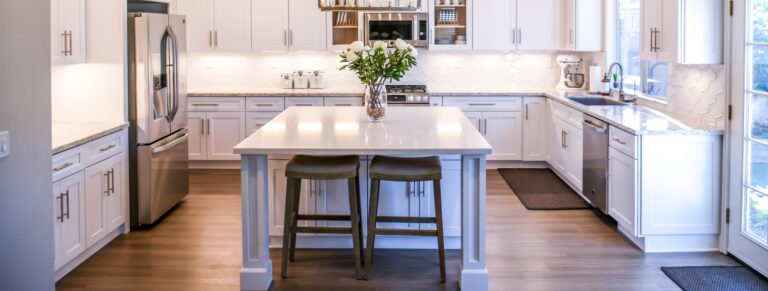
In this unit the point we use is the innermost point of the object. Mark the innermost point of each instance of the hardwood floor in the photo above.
(198, 247)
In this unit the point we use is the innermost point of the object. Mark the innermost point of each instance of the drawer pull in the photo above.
(304, 105)
(108, 148)
(64, 166)
(343, 105)
(211, 105)
(620, 141)
(265, 105)
(482, 104)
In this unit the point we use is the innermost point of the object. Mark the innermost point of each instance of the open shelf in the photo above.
(334, 8)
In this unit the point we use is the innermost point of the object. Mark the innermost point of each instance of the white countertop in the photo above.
(67, 135)
(347, 130)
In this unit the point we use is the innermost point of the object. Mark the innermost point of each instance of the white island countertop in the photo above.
(347, 130)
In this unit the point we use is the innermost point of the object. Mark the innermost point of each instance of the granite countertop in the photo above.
(67, 135)
(635, 119)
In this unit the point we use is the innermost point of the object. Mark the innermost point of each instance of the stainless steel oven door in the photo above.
(163, 178)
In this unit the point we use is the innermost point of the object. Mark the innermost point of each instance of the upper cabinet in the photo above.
(450, 24)
(682, 31)
(67, 31)
(583, 25)
(517, 25)
(283, 25)
(217, 25)
(344, 29)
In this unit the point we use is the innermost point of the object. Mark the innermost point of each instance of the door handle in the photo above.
(107, 148)
(111, 184)
(60, 199)
(67, 195)
(519, 36)
(216, 38)
(210, 38)
(562, 139)
(651, 36)
(565, 140)
(514, 36)
(106, 176)
(208, 126)
(526, 111)
(290, 36)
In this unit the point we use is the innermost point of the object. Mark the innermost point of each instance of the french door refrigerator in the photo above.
(157, 110)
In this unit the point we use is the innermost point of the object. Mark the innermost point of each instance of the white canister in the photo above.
(317, 80)
(300, 80)
(287, 80)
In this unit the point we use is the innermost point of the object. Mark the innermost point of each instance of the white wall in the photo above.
(95, 91)
(439, 70)
(26, 205)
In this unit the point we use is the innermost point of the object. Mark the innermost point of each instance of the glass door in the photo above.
(748, 229)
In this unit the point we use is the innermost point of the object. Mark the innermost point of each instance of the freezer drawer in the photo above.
(162, 176)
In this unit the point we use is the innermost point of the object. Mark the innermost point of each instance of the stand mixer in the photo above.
(569, 80)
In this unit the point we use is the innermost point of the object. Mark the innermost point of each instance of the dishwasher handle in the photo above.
(602, 128)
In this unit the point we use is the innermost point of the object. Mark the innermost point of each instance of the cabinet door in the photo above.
(270, 25)
(667, 38)
(68, 16)
(504, 131)
(303, 101)
(225, 130)
(557, 146)
(70, 220)
(622, 189)
(538, 24)
(650, 20)
(398, 199)
(450, 188)
(197, 136)
(574, 162)
(115, 199)
(307, 26)
(494, 24)
(277, 188)
(535, 129)
(232, 25)
(96, 179)
(199, 15)
(475, 118)
(333, 199)
(584, 25)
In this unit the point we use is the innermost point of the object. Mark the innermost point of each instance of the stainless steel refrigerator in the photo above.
(157, 109)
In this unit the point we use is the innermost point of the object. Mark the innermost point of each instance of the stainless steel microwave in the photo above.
(410, 27)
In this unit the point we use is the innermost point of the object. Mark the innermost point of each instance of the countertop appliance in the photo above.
(407, 95)
(596, 162)
(570, 78)
(158, 134)
(388, 27)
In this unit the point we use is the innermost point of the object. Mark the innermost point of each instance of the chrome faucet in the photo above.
(620, 80)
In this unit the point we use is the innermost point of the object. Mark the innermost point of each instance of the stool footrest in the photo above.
(324, 217)
(400, 219)
(331, 230)
(414, 232)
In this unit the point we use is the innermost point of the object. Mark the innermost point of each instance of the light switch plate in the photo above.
(5, 144)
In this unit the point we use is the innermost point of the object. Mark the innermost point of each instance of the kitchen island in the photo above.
(347, 131)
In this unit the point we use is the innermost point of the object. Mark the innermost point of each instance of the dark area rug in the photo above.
(541, 189)
(716, 278)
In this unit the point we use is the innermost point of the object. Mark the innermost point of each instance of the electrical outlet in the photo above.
(5, 144)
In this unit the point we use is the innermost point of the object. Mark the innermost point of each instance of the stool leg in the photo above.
(296, 201)
(360, 221)
(355, 220)
(439, 221)
(288, 224)
(372, 213)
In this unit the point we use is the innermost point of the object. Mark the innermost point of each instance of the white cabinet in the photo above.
(68, 31)
(534, 129)
(216, 126)
(217, 25)
(296, 25)
(682, 31)
(256, 120)
(343, 101)
(622, 189)
(583, 25)
(517, 24)
(304, 101)
(197, 138)
(504, 131)
(566, 144)
(69, 225)
(104, 198)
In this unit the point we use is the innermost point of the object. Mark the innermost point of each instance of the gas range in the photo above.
(407, 95)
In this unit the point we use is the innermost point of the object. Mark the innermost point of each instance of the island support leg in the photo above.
(256, 273)
(474, 273)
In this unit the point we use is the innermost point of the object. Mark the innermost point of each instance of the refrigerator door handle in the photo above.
(170, 59)
(170, 145)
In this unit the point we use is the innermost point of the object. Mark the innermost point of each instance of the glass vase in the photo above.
(376, 103)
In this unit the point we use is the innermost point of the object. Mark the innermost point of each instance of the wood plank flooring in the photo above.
(198, 247)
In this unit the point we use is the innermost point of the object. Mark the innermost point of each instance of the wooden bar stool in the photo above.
(404, 170)
(322, 168)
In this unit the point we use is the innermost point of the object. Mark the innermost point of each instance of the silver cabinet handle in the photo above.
(216, 38)
(202, 126)
(285, 37)
(520, 36)
(526, 111)
(60, 199)
(106, 176)
(482, 104)
(210, 38)
(208, 126)
(108, 148)
(653, 31)
(514, 36)
(343, 105)
(565, 139)
(264, 105)
(620, 141)
(111, 182)
(562, 139)
(64, 166)
(656, 40)
(65, 52)
(571, 35)
(304, 105)
(290, 36)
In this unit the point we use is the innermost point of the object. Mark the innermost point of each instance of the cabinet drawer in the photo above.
(568, 114)
(67, 163)
(303, 101)
(623, 141)
(485, 104)
(343, 101)
(216, 104)
(105, 147)
(265, 104)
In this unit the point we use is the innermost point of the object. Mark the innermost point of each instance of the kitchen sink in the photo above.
(596, 101)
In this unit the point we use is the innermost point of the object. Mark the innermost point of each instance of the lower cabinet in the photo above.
(566, 151)
(622, 186)
(213, 135)
(104, 198)
(503, 130)
(534, 129)
(69, 225)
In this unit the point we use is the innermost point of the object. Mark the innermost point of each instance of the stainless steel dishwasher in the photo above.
(596, 162)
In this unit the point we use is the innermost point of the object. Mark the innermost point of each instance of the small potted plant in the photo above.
(377, 66)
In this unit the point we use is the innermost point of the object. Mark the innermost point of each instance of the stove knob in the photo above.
(410, 99)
